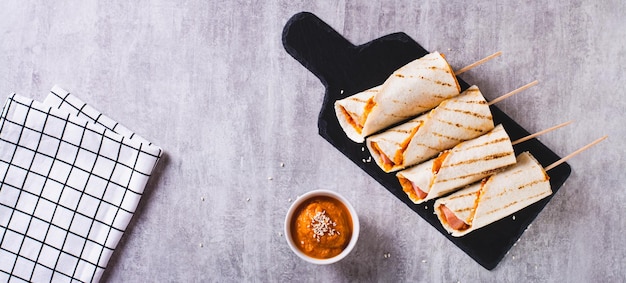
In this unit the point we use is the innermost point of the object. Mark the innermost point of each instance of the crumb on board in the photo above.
(201, 245)
(270, 178)
(202, 198)
(386, 255)
(289, 200)
(282, 164)
(424, 261)
(247, 199)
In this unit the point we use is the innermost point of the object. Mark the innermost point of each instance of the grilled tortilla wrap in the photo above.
(457, 119)
(413, 89)
(495, 197)
(462, 165)
(353, 111)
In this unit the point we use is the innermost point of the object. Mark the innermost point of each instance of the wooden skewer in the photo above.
(540, 133)
(555, 164)
(520, 89)
(477, 63)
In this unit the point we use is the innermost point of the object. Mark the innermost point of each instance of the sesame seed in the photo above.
(362, 148)
(322, 225)
(363, 160)
(341, 91)
(423, 261)
(289, 200)
(513, 217)
(426, 207)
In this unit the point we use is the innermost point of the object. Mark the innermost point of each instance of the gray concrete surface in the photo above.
(210, 82)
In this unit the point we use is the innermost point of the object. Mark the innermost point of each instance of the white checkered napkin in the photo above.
(68, 188)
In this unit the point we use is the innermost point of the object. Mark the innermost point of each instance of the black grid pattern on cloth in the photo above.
(68, 190)
(62, 99)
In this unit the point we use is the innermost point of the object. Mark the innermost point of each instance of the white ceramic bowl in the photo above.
(353, 215)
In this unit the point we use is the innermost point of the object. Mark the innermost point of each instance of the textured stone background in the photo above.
(210, 82)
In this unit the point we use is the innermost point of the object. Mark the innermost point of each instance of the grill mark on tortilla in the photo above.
(471, 90)
(442, 96)
(460, 125)
(429, 147)
(484, 158)
(483, 173)
(462, 195)
(407, 103)
(447, 137)
(518, 188)
(470, 113)
(430, 69)
(500, 140)
(481, 102)
(515, 202)
(464, 209)
(399, 116)
(402, 131)
(405, 131)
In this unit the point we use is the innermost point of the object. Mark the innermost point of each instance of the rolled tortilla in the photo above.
(495, 197)
(413, 89)
(462, 165)
(464, 117)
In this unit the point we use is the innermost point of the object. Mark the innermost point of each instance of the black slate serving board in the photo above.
(345, 69)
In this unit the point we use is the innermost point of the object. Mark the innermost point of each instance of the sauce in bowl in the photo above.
(321, 227)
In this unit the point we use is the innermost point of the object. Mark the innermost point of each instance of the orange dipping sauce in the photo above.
(321, 227)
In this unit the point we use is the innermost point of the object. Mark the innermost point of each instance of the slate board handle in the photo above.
(317, 46)
(341, 65)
